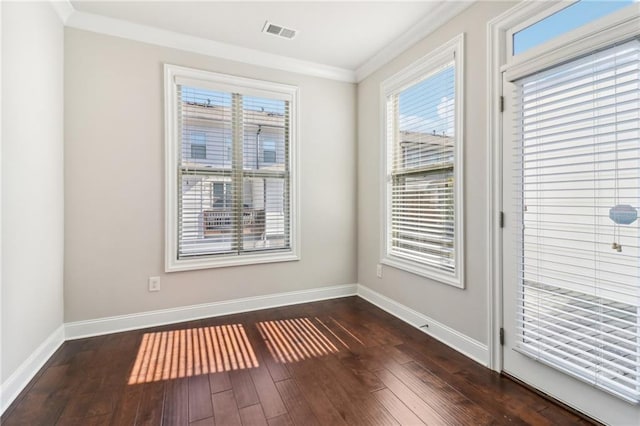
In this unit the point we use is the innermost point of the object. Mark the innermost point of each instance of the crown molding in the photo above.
(63, 8)
(152, 35)
(440, 14)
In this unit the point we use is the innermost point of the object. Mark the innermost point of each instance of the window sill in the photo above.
(174, 265)
(424, 271)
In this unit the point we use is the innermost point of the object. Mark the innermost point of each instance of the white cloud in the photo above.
(440, 121)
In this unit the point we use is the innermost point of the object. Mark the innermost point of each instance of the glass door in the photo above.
(571, 262)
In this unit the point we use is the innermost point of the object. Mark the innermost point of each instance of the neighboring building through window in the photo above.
(269, 152)
(423, 170)
(227, 204)
(198, 143)
(222, 195)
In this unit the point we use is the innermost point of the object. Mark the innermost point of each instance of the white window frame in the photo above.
(393, 85)
(600, 33)
(595, 35)
(232, 84)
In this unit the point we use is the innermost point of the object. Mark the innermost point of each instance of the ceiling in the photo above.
(344, 35)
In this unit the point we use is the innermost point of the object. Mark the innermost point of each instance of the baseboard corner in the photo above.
(20, 378)
(477, 351)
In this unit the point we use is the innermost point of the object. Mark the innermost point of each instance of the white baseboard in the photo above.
(12, 387)
(96, 327)
(475, 350)
(76, 330)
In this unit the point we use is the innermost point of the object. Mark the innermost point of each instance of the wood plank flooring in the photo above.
(337, 362)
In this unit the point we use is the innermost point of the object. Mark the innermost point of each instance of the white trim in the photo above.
(21, 377)
(439, 14)
(174, 75)
(63, 8)
(219, 81)
(450, 337)
(170, 158)
(100, 326)
(1, 210)
(152, 35)
(425, 64)
(418, 70)
(497, 55)
(174, 265)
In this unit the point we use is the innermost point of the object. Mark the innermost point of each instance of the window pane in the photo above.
(563, 21)
(222, 195)
(265, 138)
(265, 224)
(233, 173)
(207, 218)
(426, 122)
(206, 128)
(427, 108)
(423, 219)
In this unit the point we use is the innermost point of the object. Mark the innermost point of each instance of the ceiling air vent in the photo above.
(278, 30)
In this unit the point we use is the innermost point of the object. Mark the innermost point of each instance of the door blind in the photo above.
(421, 137)
(578, 162)
(233, 173)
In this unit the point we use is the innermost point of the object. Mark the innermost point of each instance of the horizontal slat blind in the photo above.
(233, 173)
(265, 171)
(578, 162)
(420, 126)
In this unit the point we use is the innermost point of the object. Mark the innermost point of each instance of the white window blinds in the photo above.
(423, 158)
(233, 171)
(578, 157)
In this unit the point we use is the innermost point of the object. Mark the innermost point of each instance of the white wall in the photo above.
(114, 174)
(32, 179)
(465, 311)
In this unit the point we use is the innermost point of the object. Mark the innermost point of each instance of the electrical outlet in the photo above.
(154, 283)
(379, 270)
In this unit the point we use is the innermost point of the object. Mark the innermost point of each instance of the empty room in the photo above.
(320, 212)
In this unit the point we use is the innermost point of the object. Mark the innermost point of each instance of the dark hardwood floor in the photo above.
(337, 362)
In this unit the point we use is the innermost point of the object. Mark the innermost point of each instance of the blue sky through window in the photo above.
(427, 107)
(205, 97)
(565, 20)
(202, 96)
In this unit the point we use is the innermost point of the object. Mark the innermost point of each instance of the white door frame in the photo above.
(617, 26)
(497, 30)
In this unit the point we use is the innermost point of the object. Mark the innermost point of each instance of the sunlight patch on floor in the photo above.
(189, 352)
(294, 340)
